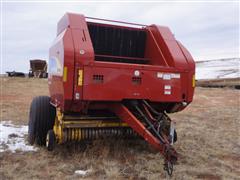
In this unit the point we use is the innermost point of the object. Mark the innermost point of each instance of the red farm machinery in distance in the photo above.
(111, 77)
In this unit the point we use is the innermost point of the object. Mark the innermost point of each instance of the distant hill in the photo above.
(218, 69)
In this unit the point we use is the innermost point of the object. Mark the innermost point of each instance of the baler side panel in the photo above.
(152, 52)
(191, 74)
(68, 68)
(61, 62)
(83, 52)
(70, 20)
(174, 56)
(63, 24)
(169, 47)
(55, 70)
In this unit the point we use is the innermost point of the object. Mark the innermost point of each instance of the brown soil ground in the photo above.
(208, 142)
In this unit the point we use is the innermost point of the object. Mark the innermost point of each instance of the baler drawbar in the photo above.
(112, 78)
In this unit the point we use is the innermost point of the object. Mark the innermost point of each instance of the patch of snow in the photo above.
(82, 172)
(215, 69)
(12, 137)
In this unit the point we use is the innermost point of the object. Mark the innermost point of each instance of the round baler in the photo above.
(113, 78)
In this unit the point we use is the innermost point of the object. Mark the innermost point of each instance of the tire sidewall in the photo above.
(41, 119)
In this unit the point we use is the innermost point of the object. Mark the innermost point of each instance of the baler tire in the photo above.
(31, 134)
(50, 140)
(41, 119)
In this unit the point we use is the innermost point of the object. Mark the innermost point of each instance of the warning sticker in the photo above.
(159, 75)
(167, 76)
(167, 87)
(167, 92)
(175, 75)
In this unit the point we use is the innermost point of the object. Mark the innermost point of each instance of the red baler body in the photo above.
(96, 65)
(73, 50)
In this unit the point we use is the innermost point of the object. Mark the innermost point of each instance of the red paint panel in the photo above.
(176, 54)
(69, 55)
(117, 84)
(152, 52)
(191, 73)
(62, 50)
(82, 46)
(70, 20)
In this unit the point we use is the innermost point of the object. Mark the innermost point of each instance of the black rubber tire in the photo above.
(50, 140)
(41, 119)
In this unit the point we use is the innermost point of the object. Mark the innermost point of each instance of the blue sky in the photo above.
(208, 30)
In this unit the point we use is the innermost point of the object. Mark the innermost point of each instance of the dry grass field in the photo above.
(231, 82)
(208, 142)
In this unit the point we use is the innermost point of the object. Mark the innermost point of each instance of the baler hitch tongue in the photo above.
(170, 159)
(155, 127)
(168, 167)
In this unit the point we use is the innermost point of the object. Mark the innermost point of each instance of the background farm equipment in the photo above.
(15, 74)
(38, 69)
